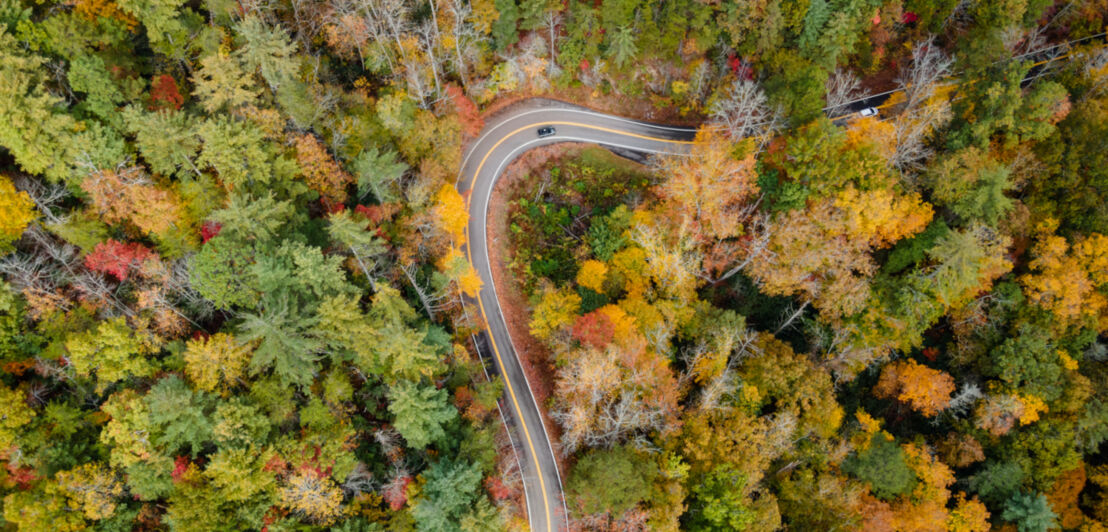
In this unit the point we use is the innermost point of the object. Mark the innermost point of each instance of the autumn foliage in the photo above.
(468, 113)
(594, 329)
(164, 93)
(117, 259)
(129, 195)
(321, 172)
(923, 389)
(16, 211)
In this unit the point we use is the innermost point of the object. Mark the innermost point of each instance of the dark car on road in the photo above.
(546, 131)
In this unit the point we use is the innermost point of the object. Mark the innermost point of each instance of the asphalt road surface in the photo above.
(504, 138)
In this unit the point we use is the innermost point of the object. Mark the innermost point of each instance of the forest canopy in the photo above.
(233, 286)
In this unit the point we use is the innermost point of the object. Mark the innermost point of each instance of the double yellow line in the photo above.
(481, 305)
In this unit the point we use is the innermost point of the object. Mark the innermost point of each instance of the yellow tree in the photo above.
(555, 310)
(880, 217)
(592, 275)
(14, 413)
(925, 390)
(16, 212)
(312, 495)
(823, 251)
(968, 516)
(216, 363)
(1065, 279)
(450, 211)
(91, 489)
(604, 395)
(459, 270)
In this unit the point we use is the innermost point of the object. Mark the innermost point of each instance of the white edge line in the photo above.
(500, 314)
(559, 109)
(511, 441)
(576, 109)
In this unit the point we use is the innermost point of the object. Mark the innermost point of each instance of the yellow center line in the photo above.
(481, 305)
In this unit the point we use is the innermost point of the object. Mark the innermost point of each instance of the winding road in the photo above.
(504, 139)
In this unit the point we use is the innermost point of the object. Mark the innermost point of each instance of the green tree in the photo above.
(221, 273)
(1075, 187)
(234, 149)
(238, 423)
(160, 18)
(165, 139)
(222, 82)
(239, 475)
(258, 220)
(720, 501)
(1027, 361)
(419, 412)
(267, 51)
(882, 465)
(797, 85)
(997, 481)
(505, 30)
(1030, 512)
(284, 341)
(972, 184)
(622, 48)
(180, 415)
(378, 173)
(89, 75)
(30, 127)
(610, 480)
(450, 490)
(350, 232)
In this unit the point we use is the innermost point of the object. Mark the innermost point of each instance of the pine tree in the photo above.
(420, 412)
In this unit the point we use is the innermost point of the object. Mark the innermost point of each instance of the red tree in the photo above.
(594, 329)
(468, 114)
(116, 258)
(180, 467)
(396, 492)
(497, 490)
(164, 93)
(209, 230)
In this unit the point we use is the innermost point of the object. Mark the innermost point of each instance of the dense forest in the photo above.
(233, 286)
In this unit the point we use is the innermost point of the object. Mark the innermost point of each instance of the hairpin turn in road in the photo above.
(502, 140)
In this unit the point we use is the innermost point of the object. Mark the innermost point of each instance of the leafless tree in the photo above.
(464, 37)
(781, 433)
(359, 480)
(550, 19)
(179, 283)
(843, 87)
(962, 401)
(429, 40)
(431, 299)
(921, 114)
(743, 111)
(309, 20)
(928, 66)
(45, 195)
(389, 440)
(1097, 352)
(790, 314)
